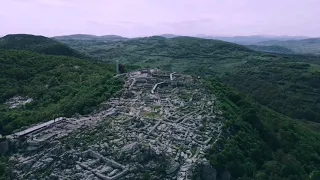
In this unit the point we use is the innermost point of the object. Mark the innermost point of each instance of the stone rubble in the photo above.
(159, 128)
(18, 101)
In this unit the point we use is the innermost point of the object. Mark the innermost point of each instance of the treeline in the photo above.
(59, 86)
(260, 144)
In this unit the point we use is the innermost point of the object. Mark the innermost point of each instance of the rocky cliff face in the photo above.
(159, 128)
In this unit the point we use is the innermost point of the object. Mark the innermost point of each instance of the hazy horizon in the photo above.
(150, 17)
(197, 35)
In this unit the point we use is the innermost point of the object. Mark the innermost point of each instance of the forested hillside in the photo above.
(88, 37)
(261, 144)
(288, 84)
(158, 51)
(58, 85)
(38, 44)
(271, 49)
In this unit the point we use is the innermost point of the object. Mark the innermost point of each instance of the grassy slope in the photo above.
(60, 86)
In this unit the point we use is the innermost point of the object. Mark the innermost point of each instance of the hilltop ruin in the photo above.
(160, 127)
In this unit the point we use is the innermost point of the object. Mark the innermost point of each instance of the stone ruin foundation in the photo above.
(159, 128)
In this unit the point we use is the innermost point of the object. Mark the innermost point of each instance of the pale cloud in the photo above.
(56, 3)
(147, 17)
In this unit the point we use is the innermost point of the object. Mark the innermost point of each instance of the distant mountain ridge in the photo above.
(91, 37)
(243, 40)
(304, 46)
(248, 40)
(169, 35)
(38, 44)
(264, 43)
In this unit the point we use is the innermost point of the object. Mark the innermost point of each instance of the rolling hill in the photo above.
(88, 37)
(38, 44)
(169, 35)
(83, 42)
(248, 40)
(76, 37)
(271, 49)
(286, 83)
(304, 46)
(157, 46)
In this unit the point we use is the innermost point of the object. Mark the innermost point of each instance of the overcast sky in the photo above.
(149, 17)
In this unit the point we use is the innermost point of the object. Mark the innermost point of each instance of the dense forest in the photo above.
(58, 85)
(262, 144)
(271, 49)
(289, 87)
